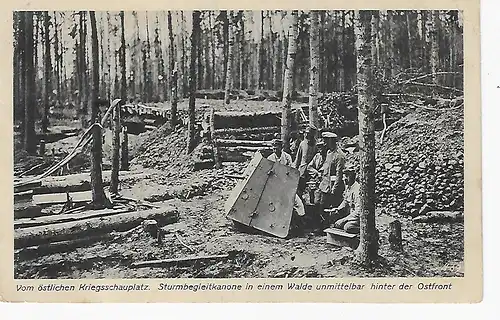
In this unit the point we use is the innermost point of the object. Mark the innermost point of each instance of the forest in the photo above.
(157, 43)
(193, 95)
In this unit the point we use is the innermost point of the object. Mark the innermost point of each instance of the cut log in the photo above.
(274, 129)
(248, 148)
(23, 195)
(61, 218)
(80, 182)
(29, 186)
(26, 209)
(27, 237)
(165, 262)
(395, 237)
(234, 143)
(440, 216)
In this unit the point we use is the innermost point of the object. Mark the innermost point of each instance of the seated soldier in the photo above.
(348, 210)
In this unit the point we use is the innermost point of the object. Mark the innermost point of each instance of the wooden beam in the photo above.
(61, 218)
(32, 236)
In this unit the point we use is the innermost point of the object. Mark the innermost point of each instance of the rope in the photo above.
(84, 141)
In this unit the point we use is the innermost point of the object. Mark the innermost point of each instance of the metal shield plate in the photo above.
(265, 199)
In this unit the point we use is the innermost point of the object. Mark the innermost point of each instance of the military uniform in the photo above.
(349, 209)
(331, 185)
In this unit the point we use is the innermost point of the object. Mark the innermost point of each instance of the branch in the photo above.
(435, 86)
(428, 75)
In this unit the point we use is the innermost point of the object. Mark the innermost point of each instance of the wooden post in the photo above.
(116, 150)
(124, 161)
(395, 237)
(214, 140)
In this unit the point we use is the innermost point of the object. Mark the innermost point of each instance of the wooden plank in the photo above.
(61, 218)
(61, 198)
(230, 142)
(340, 238)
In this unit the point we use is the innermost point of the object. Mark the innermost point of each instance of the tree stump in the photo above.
(395, 238)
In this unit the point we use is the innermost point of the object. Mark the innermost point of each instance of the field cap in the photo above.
(328, 135)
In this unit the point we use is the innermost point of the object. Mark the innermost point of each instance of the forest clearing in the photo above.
(131, 138)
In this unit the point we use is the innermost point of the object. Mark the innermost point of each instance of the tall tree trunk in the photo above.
(47, 74)
(192, 81)
(82, 89)
(262, 64)
(346, 54)
(229, 64)
(212, 46)
(243, 58)
(29, 92)
(57, 59)
(174, 82)
(391, 56)
(410, 39)
(368, 246)
(183, 40)
(98, 197)
(225, 39)
(434, 45)
(123, 93)
(314, 69)
(288, 83)
(270, 72)
(19, 67)
(374, 30)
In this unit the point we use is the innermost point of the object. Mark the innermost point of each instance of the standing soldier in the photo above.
(331, 185)
(279, 155)
(305, 153)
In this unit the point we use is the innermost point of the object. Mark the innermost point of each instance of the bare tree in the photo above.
(192, 81)
(174, 82)
(30, 88)
(314, 69)
(288, 82)
(229, 64)
(98, 197)
(47, 68)
(366, 116)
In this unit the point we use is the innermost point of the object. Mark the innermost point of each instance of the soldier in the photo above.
(305, 153)
(331, 185)
(348, 210)
(279, 155)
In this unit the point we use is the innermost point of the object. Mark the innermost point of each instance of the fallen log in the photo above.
(440, 216)
(33, 236)
(61, 218)
(29, 186)
(34, 252)
(26, 209)
(165, 262)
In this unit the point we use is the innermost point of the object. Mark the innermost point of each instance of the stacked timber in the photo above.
(236, 136)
